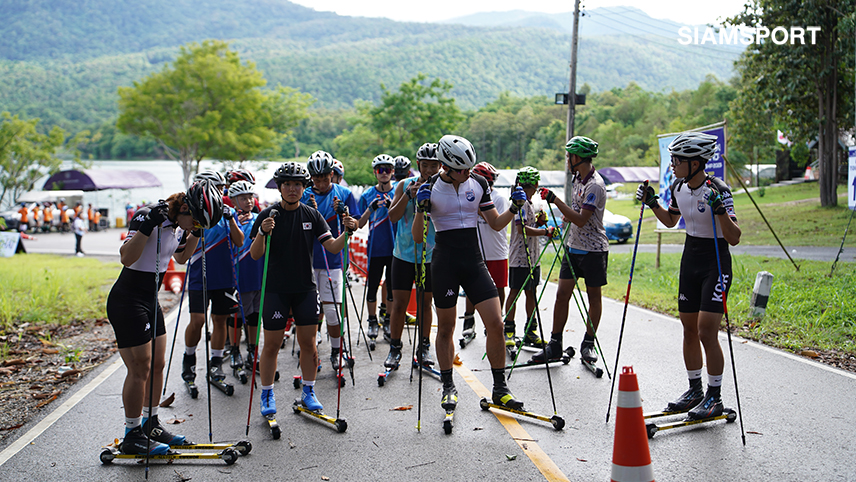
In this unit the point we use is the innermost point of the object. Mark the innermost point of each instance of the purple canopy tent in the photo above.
(100, 179)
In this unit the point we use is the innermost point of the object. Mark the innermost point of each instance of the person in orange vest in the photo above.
(48, 218)
(77, 209)
(25, 215)
(36, 221)
(90, 214)
(97, 219)
(63, 213)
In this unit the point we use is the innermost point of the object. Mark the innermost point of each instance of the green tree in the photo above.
(806, 88)
(207, 104)
(25, 154)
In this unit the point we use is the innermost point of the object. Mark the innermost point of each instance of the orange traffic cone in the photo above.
(173, 279)
(631, 459)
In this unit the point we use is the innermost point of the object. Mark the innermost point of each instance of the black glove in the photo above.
(155, 217)
(341, 209)
(197, 233)
(646, 194)
(714, 200)
(227, 213)
(548, 195)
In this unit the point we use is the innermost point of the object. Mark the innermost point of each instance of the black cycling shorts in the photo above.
(376, 268)
(404, 274)
(517, 276)
(454, 267)
(591, 266)
(223, 302)
(129, 309)
(699, 288)
(302, 306)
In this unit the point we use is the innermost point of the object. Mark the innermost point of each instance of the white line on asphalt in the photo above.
(54, 416)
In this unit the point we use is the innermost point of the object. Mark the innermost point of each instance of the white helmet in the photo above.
(427, 152)
(339, 167)
(383, 160)
(693, 144)
(240, 187)
(320, 162)
(212, 176)
(456, 152)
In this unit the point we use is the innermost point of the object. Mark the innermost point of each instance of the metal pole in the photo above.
(572, 97)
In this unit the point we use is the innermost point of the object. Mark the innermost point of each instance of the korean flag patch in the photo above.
(307, 226)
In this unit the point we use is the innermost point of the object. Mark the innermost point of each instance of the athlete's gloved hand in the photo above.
(714, 200)
(349, 223)
(197, 233)
(540, 219)
(227, 213)
(548, 195)
(518, 197)
(312, 203)
(155, 217)
(423, 198)
(339, 207)
(646, 194)
(552, 232)
(379, 202)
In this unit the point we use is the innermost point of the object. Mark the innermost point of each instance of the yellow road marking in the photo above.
(538, 457)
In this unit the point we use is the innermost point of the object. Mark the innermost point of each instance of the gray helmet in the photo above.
(456, 152)
(320, 162)
(292, 171)
(383, 160)
(427, 152)
(240, 187)
(693, 145)
(212, 176)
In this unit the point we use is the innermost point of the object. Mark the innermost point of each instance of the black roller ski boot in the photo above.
(373, 329)
(551, 352)
(423, 354)
(394, 357)
(502, 396)
(710, 406)
(688, 399)
(136, 443)
(217, 377)
(237, 364)
(449, 400)
(155, 431)
(334, 359)
(188, 374)
(468, 330)
(384, 317)
(531, 339)
(587, 352)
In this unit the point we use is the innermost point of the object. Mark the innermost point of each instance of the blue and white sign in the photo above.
(714, 167)
(851, 178)
(8, 244)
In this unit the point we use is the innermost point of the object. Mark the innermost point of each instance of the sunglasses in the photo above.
(459, 171)
(676, 160)
(383, 170)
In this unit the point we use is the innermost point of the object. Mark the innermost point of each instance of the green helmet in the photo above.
(528, 175)
(582, 146)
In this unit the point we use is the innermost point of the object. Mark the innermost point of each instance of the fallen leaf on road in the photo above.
(175, 421)
(42, 396)
(16, 361)
(809, 353)
(73, 371)
(50, 351)
(754, 433)
(168, 400)
(402, 408)
(510, 457)
(457, 360)
(47, 401)
(582, 460)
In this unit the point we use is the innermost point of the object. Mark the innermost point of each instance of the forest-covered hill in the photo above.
(62, 61)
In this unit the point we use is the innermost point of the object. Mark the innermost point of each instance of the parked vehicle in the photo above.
(618, 228)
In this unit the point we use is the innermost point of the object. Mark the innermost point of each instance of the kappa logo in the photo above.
(277, 315)
(450, 293)
(139, 217)
(307, 226)
(681, 297)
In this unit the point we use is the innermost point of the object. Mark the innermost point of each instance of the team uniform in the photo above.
(222, 294)
(518, 263)
(588, 245)
(495, 244)
(407, 254)
(248, 272)
(381, 241)
(699, 288)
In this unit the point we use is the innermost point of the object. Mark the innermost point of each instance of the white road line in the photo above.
(54, 416)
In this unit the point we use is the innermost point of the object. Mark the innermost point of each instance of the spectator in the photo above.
(79, 228)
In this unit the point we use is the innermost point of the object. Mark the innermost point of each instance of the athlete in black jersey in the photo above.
(700, 294)
(289, 287)
(131, 306)
(455, 198)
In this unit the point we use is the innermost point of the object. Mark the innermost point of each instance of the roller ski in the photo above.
(563, 357)
(512, 344)
(588, 357)
(503, 400)
(188, 374)
(268, 409)
(135, 444)
(552, 352)
(699, 409)
(218, 378)
(449, 402)
(468, 331)
(237, 365)
(348, 361)
(427, 368)
(392, 362)
(374, 325)
(308, 404)
(157, 433)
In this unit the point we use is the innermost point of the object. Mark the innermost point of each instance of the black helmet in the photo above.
(205, 202)
(402, 167)
(427, 152)
(292, 171)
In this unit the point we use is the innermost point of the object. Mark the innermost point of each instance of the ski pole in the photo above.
(586, 317)
(273, 213)
(154, 335)
(345, 326)
(207, 338)
(175, 335)
(537, 310)
(421, 320)
(722, 285)
(626, 301)
(234, 262)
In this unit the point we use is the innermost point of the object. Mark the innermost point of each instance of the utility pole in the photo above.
(572, 97)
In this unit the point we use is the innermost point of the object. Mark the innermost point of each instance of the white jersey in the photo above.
(495, 242)
(451, 209)
(691, 204)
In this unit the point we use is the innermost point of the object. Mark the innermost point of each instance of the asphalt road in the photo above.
(798, 418)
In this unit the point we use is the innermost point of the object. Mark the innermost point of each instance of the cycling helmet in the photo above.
(292, 171)
(427, 152)
(212, 176)
(528, 175)
(319, 163)
(693, 145)
(582, 146)
(205, 202)
(402, 167)
(384, 160)
(487, 171)
(456, 152)
(240, 187)
(236, 175)
(339, 168)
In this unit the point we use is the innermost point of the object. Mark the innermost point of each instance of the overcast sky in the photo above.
(700, 12)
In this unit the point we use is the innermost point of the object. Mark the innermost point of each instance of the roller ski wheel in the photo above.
(597, 371)
(218, 378)
(387, 371)
(192, 389)
(188, 374)
(372, 334)
(340, 424)
(230, 456)
(297, 382)
(467, 338)
(237, 365)
(512, 345)
(107, 456)
(728, 414)
(556, 421)
(449, 422)
(275, 429)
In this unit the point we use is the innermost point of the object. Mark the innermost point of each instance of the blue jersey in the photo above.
(218, 260)
(249, 270)
(381, 231)
(325, 207)
(405, 248)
